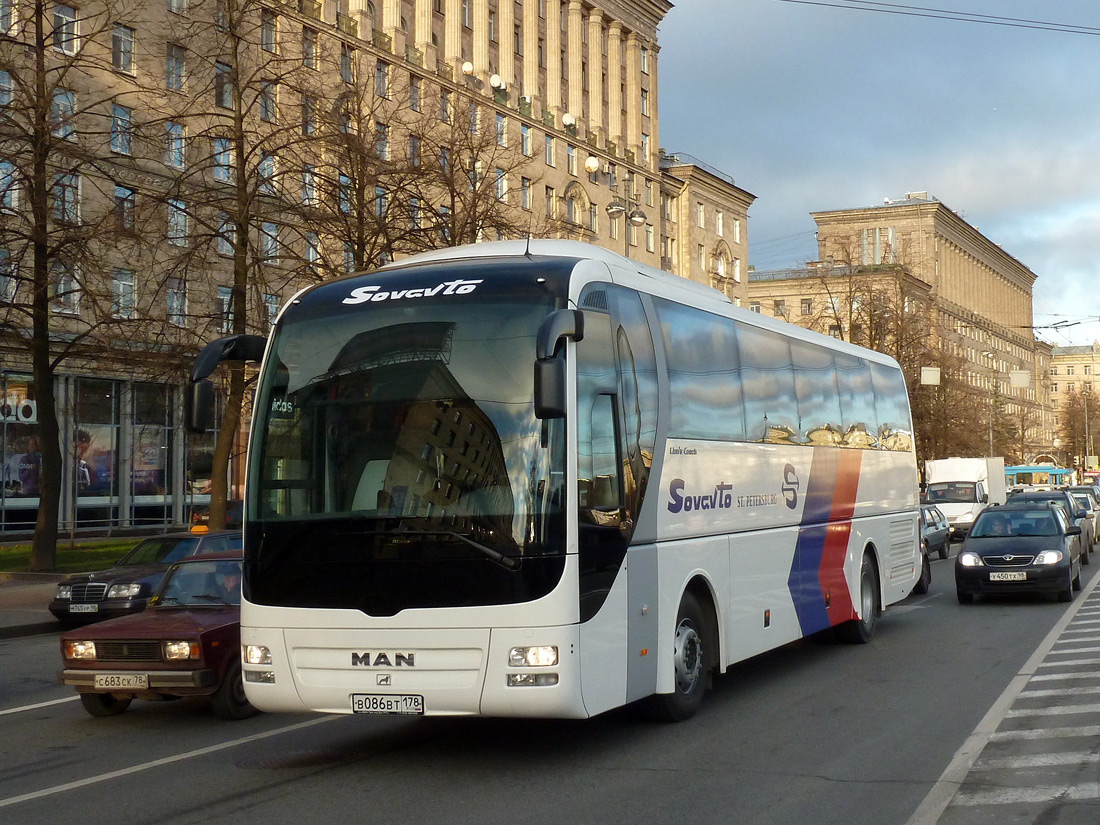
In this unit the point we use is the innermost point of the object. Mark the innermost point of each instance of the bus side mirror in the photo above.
(550, 372)
(199, 406)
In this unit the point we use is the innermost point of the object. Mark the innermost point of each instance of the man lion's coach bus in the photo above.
(540, 479)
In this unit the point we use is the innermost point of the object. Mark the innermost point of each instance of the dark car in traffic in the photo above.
(1076, 512)
(187, 643)
(234, 516)
(1020, 547)
(127, 587)
(935, 532)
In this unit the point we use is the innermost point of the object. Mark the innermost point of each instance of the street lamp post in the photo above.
(620, 207)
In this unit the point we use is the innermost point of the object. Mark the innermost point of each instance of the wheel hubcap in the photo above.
(688, 655)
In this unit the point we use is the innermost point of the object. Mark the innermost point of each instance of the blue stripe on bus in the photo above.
(803, 582)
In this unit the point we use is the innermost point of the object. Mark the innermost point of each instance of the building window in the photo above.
(309, 48)
(227, 234)
(65, 30)
(700, 215)
(645, 148)
(414, 151)
(268, 94)
(268, 30)
(444, 105)
(62, 112)
(502, 130)
(121, 129)
(525, 193)
(176, 6)
(309, 185)
(174, 67)
(125, 202)
(645, 102)
(269, 242)
(444, 224)
(414, 93)
(223, 160)
(266, 170)
(718, 223)
(382, 141)
(225, 309)
(471, 118)
(501, 184)
(66, 288)
(382, 78)
(122, 49)
(9, 186)
(643, 59)
(309, 116)
(754, 306)
(313, 251)
(174, 144)
(571, 159)
(649, 242)
(122, 293)
(379, 202)
(66, 198)
(177, 222)
(177, 301)
(5, 86)
(551, 202)
(8, 15)
(549, 154)
(343, 194)
(779, 309)
(223, 85)
(807, 306)
(271, 305)
(347, 63)
(525, 140)
(414, 213)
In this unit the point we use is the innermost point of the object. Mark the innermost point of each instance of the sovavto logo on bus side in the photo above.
(372, 293)
(720, 499)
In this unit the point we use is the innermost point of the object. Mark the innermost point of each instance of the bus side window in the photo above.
(600, 462)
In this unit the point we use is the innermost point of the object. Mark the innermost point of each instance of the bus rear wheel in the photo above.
(689, 655)
(860, 631)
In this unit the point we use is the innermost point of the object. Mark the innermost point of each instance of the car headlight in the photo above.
(538, 656)
(64, 591)
(174, 651)
(967, 516)
(1049, 557)
(124, 591)
(257, 655)
(970, 559)
(80, 650)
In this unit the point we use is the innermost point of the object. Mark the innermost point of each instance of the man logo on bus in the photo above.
(383, 659)
(790, 486)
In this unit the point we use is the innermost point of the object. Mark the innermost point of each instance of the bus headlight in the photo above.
(538, 656)
(970, 559)
(532, 679)
(257, 655)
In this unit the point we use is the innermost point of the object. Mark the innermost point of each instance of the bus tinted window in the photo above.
(818, 402)
(767, 378)
(895, 430)
(857, 402)
(703, 374)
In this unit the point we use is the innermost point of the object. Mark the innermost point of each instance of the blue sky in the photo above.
(830, 106)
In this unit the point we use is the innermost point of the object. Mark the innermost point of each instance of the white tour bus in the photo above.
(540, 479)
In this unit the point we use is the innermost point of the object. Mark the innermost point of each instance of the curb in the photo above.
(31, 578)
(16, 631)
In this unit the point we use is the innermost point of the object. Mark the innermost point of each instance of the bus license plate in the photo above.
(1013, 576)
(398, 703)
(121, 681)
(83, 608)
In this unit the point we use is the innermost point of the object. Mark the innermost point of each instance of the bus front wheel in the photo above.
(859, 631)
(689, 665)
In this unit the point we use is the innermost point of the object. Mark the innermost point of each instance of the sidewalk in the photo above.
(24, 604)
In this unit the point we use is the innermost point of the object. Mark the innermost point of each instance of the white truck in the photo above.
(963, 487)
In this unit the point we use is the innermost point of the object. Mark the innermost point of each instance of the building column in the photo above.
(614, 82)
(452, 34)
(423, 25)
(576, 58)
(595, 72)
(506, 49)
(553, 56)
(481, 38)
(531, 48)
(633, 93)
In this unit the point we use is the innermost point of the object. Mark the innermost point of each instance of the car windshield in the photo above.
(202, 583)
(162, 549)
(1015, 523)
(1083, 500)
(952, 492)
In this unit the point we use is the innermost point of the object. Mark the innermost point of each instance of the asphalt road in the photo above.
(934, 721)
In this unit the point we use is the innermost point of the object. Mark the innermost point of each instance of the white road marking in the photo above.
(1038, 694)
(1045, 733)
(1050, 793)
(72, 698)
(156, 763)
(1057, 710)
(1038, 760)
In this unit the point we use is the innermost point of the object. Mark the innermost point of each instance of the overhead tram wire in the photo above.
(948, 14)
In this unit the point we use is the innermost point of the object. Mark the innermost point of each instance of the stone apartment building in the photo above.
(977, 297)
(1075, 369)
(555, 102)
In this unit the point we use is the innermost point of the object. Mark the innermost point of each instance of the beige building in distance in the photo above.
(979, 297)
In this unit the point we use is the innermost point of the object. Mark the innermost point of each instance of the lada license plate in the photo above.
(1008, 576)
(121, 681)
(406, 704)
(83, 608)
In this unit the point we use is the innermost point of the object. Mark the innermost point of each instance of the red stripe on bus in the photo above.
(831, 573)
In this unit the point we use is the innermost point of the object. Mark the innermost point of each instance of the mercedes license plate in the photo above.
(83, 608)
(399, 703)
(121, 681)
(1009, 576)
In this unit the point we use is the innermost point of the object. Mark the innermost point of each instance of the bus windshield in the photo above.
(397, 457)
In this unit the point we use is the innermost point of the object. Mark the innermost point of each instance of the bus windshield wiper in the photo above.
(504, 561)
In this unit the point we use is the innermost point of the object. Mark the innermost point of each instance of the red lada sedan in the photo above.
(187, 643)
